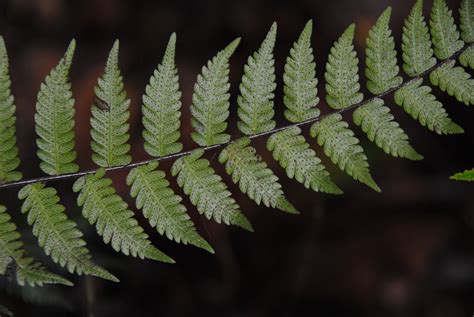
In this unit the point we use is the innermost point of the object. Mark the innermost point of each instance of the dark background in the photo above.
(405, 252)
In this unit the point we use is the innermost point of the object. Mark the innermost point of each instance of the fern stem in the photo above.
(211, 147)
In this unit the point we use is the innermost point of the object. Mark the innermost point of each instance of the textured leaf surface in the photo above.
(210, 108)
(300, 80)
(381, 62)
(253, 176)
(467, 57)
(207, 191)
(343, 148)
(418, 101)
(467, 175)
(102, 206)
(416, 45)
(13, 257)
(443, 31)
(110, 115)
(9, 160)
(342, 78)
(293, 153)
(54, 120)
(57, 235)
(162, 207)
(378, 123)
(466, 13)
(162, 107)
(455, 81)
(257, 89)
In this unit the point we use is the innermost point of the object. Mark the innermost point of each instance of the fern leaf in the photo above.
(5, 311)
(161, 107)
(207, 191)
(12, 254)
(253, 176)
(293, 153)
(9, 160)
(378, 123)
(114, 221)
(467, 57)
(418, 101)
(342, 79)
(162, 207)
(443, 31)
(210, 108)
(381, 62)
(455, 81)
(54, 120)
(56, 234)
(343, 148)
(300, 80)
(466, 13)
(257, 89)
(467, 175)
(110, 115)
(416, 46)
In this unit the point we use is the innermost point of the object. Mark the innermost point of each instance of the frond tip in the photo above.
(114, 221)
(467, 175)
(254, 177)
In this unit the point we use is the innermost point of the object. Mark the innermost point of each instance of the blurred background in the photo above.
(408, 251)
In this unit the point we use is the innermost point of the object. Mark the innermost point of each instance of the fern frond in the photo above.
(56, 234)
(300, 80)
(294, 154)
(443, 31)
(342, 78)
(9, 160)
(467, 57)
(110, 115)
(162, 207)
(466, 15)
(381, 62)
(161, 107)
(418, 101)
(257, 89)
(416, 46)
(378, 123)
(210, 108)
(343, 148)
(114, 221)
(467, 175)
(455, 81)
(254, 177)
(207, 191)
(54, 120)
(12, 254)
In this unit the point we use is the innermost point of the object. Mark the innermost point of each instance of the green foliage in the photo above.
(300, 80)
(416, 46)
(210, 108)
(455, 81)
(257, 89)
(110, 115)
(443, 31)
(418, 101)
(467, 57)
(13, 257)
(114, 221)
(207, 191)
(342, 79)
(162, 207)
(161, 107)
(294, 154)
(9, 160)
(254, 177)
(56, 234)
(54, 120)
(466, 15)
(343, 148)
(467, 175)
